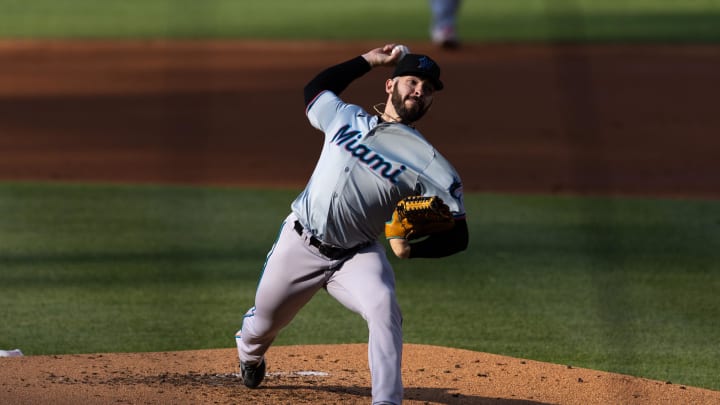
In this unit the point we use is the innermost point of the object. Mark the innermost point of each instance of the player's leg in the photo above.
(443, 26)
(291, 276)
(366, 284)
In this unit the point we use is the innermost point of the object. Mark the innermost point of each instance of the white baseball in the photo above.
(401, 49)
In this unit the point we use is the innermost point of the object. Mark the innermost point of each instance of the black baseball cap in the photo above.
(421, 66)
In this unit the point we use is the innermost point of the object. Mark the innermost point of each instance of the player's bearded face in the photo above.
(409, 106)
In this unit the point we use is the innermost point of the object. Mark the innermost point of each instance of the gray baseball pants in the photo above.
(364, 283)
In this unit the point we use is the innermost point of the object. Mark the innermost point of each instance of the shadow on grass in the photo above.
(90, 268)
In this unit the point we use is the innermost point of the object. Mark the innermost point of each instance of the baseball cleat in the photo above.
(252, 375)
(446, 38)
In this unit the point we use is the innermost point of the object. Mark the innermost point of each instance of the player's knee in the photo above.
(384, 309)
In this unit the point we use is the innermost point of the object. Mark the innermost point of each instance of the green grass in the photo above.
(129, 269)
(486, 20)
(623, 285)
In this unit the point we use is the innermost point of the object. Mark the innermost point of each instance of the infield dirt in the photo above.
(615, 119)
(603, 119)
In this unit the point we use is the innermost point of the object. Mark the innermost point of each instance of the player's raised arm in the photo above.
(383, 56)
(338, 77)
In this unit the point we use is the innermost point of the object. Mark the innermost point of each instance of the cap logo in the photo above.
(425, 63)
(419, 65)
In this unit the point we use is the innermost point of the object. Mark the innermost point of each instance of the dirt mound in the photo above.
(322, 374)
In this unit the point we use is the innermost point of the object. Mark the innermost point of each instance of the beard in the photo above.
(408, 114)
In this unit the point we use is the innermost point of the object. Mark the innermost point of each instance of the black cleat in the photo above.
(252, 375)
(446, 38)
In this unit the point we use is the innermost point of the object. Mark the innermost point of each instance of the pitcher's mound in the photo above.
(322, 374)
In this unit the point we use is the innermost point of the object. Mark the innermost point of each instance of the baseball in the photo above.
(401, 49)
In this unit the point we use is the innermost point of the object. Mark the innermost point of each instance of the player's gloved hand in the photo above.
(394, 229)
(418, 216)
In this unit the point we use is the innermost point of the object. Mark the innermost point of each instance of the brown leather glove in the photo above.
(417, 216)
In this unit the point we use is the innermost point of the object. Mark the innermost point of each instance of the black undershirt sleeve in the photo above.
(336, 78)
(442, 244)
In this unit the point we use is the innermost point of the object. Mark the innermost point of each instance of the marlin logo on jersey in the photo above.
(375, 161)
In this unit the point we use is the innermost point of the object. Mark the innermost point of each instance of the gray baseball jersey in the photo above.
(364, 169)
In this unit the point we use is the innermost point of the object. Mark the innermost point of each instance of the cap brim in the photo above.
(437, 84)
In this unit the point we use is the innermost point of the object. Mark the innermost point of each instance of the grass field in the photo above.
(624, 285)
(486, 20)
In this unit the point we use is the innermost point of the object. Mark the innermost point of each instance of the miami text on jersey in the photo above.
(374, 160)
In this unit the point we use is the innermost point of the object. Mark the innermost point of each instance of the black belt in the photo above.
(329, 251)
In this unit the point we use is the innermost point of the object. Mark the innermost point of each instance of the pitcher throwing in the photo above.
(368, 164)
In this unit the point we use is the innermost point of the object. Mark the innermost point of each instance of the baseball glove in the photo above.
(417, 216)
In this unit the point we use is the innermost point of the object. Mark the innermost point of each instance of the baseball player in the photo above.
(443, 23)
(330, 239)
